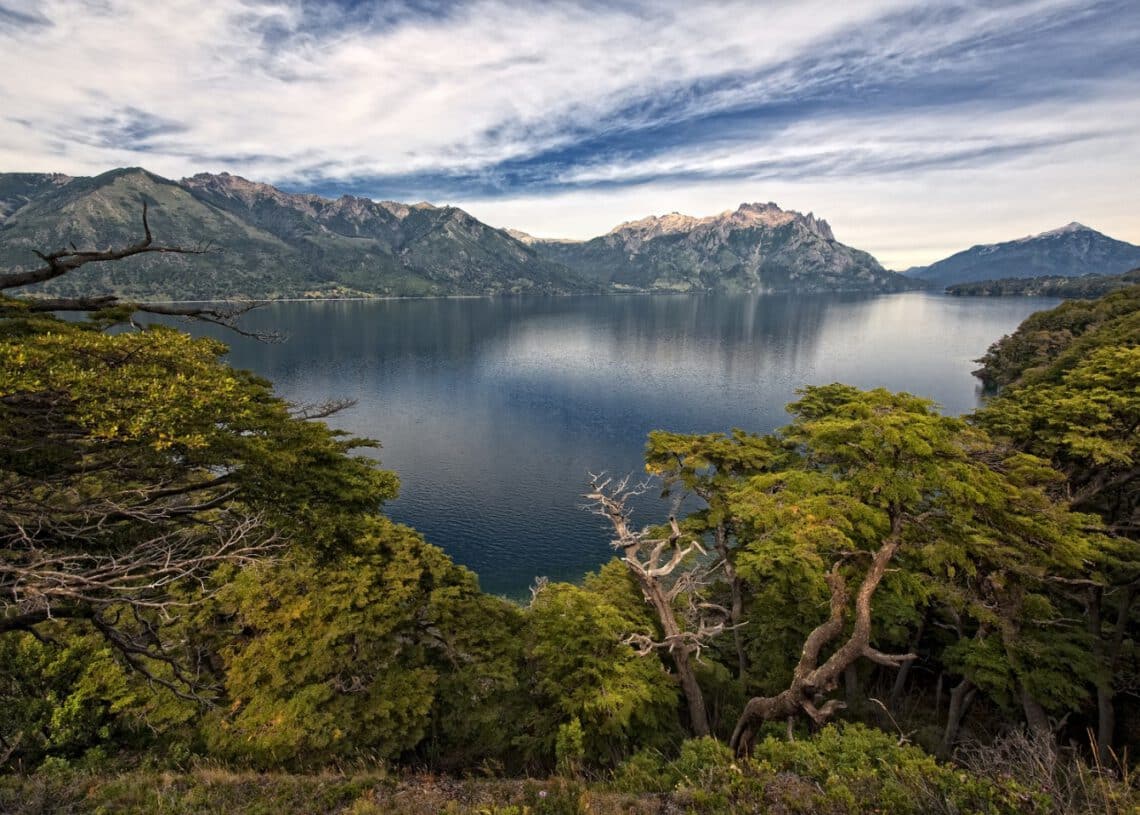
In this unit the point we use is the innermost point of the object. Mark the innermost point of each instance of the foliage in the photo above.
(1049, 342)
(65, 695)
(360, 655)
(580, 669)
(569, 750)
(1085, 421)
(841, 769)
(136, 471)
(1072, 396)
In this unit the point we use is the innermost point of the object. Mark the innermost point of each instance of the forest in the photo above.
(876, 608)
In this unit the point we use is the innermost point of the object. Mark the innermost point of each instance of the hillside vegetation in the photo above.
(1083, 287)
(264, 243)
(203, 606)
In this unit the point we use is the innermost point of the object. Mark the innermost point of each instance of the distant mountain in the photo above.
(1070, 251)
(1071, 288)
(757, 247)
(266, 243)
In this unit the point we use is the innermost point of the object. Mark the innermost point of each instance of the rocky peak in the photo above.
(250, 192)
(746, 216)
(771, 215)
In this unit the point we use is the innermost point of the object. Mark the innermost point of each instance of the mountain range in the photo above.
(265, 243)
(262, 242)
(1073, 250)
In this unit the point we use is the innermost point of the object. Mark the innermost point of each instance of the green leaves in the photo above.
(334, 656)
(582, 670)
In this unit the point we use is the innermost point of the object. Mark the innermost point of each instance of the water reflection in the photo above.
(493, 410)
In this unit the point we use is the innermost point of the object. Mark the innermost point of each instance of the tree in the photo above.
(708, 466)
(340, 656)
(580, 670)
(1071, 379)
(137, 470)
(878, 478)
(654, 560)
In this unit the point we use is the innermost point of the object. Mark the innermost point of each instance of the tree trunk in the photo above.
(1035, 715)
(1106, 717)
(851, 690)
(1108, 658)
(961, 698)
(736, 610)
(698, 717)
(810, 680)
(643, 557)
(903, 674)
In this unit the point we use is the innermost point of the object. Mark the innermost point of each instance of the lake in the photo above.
(493, 411)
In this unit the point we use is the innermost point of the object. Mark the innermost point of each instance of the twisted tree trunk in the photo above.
(810, 680)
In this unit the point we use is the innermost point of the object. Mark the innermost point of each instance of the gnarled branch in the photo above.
(62, 261)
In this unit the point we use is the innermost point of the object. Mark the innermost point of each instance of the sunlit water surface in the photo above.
(493, 411)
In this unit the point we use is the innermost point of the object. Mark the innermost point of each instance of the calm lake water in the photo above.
(493, 411)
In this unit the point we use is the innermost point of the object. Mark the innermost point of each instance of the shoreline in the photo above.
(390, 298)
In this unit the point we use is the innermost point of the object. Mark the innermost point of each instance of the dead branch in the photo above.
(653, 562)
(39, 582)
(63, 261)
(320, 410)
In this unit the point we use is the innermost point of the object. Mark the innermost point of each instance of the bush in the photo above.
(842, 769)
(700, 763)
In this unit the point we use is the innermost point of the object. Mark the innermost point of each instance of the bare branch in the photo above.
(683, 637)
(810, 680)
(320, 410)
(62, 261)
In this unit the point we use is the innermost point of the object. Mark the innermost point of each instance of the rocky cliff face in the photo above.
(757, 247)
(1071, 251)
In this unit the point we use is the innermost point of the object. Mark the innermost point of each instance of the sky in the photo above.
(915, 128)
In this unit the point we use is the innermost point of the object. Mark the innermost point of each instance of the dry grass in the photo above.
(1103, 785)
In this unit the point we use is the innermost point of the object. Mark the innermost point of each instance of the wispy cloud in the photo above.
(496, 103)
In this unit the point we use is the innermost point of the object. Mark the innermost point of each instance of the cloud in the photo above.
(20, 15)
(492, 101)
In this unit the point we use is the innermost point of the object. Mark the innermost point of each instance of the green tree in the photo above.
(1074, 399)
(708, 466)
(881, 479)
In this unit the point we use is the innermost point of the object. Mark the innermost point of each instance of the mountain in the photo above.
(757, 247)
(263, 242)
(1070, 251)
